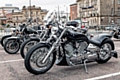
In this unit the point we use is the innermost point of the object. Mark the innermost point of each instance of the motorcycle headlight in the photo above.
(54, 30)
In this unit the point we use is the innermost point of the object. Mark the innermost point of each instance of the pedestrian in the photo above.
(14, 25)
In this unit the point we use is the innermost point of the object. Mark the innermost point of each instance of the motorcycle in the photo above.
(71, 48)
(117, 33)
(4, 38)
(12, 44)
(26, 45)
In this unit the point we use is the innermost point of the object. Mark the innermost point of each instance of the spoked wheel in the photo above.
(105, 52)
(34, 58)
(25, 47)
(12, 46)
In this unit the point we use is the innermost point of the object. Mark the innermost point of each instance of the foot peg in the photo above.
(114, 54)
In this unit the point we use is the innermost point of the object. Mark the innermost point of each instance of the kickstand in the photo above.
(86, 70)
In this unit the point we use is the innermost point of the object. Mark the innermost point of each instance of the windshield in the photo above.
(50, 17)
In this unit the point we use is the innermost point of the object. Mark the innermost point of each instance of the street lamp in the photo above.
(66, 13)
(108, 6)
(114, 12)
(30, 7)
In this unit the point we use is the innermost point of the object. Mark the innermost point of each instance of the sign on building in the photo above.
(8, 5)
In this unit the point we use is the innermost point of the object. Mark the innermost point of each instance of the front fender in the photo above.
(6, 36)
(34, 38)
(14, 38)
(44, 43)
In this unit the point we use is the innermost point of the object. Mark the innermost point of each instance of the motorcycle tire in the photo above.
(109, 44)
(12, 46)
(24, 44)
(31, 59)
(3, 39)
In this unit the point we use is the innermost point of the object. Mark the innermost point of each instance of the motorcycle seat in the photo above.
(94, 41)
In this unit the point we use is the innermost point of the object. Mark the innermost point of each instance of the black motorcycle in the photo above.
(3, 39)
(26, 45)
(12, 44)
(117, 33)
(68, 47)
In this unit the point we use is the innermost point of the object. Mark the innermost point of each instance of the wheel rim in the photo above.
(105, 51)
(12, 46)
(37, 58)
(28, 46)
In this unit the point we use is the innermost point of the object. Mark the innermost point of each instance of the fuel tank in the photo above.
(72, 35)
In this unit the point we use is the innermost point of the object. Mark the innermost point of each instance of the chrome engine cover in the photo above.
(79, 51)
(75, 52)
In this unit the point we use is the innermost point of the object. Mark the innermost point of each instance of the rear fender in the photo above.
(108, 39)
(101, 40)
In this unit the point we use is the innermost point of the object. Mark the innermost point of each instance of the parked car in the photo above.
(75, 23)
(109, 27)
(9, 29)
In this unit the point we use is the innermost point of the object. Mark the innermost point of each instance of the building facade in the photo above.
(14, 15)
(99, 12)
(18, 17)
(5, 13)
(36, 13)
(73, 11)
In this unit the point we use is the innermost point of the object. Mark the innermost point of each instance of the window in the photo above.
(36, 13)
(72, 8)
(42, 17)
(118, 11)
(118, 1)
(118, 21)
(112, 1)
(87, 4)
(112, 11)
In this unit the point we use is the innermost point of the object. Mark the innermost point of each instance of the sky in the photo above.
(44, 4)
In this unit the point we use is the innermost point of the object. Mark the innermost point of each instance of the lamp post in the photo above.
(114, 12)
(58, 13)
(30, 7)
(108, 6)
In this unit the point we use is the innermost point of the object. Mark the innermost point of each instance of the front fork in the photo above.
(54, 46)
